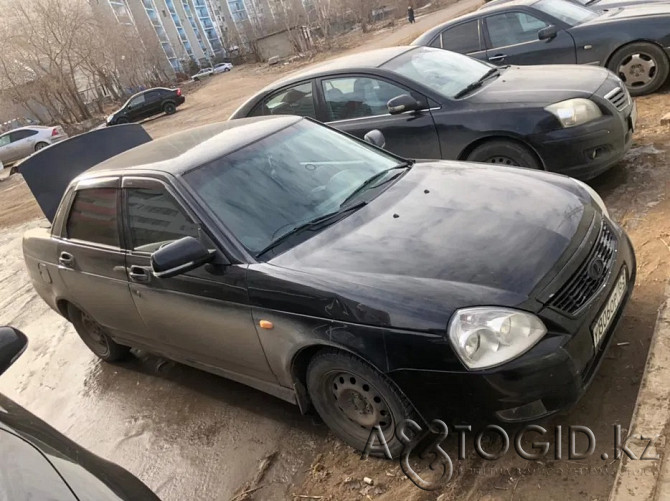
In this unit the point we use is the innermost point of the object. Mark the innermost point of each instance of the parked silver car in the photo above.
(223, 68)
(20, 143)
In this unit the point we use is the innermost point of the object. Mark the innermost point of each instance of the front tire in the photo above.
(121, 121)
(352, 397)
(169, 108)
(95, 337)
(503, 152)
(642, 66)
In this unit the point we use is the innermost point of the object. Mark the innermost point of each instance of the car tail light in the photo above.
(178, 92)
(54, 132)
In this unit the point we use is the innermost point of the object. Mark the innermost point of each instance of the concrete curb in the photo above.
(639, 480)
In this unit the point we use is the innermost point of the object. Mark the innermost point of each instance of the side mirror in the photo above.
(403, 103)
(547, 33)
(12, 343)
(180, 256)
(375, 137)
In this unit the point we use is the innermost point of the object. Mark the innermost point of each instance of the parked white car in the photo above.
(205, 72)
(20, 143)
(223, 67)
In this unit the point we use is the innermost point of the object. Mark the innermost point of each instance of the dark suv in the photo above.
(146, 104)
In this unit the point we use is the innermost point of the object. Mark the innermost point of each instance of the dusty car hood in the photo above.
(630, 12)
(542, 84)
(446, 235)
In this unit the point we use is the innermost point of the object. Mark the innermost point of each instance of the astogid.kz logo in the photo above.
(428, 444)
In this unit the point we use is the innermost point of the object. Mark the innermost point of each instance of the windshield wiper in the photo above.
(314, 224)
(368, 183)
(475, 85)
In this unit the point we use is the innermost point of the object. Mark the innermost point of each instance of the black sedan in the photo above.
(313, 266)
(594, 4)
(634, 43)
(37, 462)
(146, 104)
(437, 104)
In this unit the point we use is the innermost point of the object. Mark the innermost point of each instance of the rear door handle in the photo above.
(138, 273)
(66, 259)
(498, 58)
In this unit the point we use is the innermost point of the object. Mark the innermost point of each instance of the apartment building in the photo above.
(184, 29)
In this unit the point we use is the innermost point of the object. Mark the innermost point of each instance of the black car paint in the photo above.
(593, 42)
(510, 106)
(597, 5)
(38, 462)
(154, 104)
(381, 284)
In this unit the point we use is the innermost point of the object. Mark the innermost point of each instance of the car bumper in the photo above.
(588, 150)
(550, 377)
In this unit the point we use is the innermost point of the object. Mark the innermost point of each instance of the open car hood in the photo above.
(49, 171)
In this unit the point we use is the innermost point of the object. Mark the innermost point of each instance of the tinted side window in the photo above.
(153, 95)
(356, 97)
(513, 28)
(21, 134)
(462, 38)
(155, 218)
(93, 216)
(136, 101)
(297, 100)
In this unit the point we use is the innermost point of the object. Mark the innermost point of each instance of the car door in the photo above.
(91, 261)
(201, 317)
(357, 104)
(23, 143)
(6, 155)
(465, 38)
(135, 110)
(512, 38)
(153, 103)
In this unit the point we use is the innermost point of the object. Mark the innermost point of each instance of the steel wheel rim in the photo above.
(95, 333)
(638, 70)
(503, 160)
(358, 401)
(39, 146)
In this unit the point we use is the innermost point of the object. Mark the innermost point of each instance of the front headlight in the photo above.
(575, 111)
(487, 336)
(594, 195)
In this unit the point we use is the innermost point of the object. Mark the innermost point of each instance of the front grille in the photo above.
(581, 286)
(619, 97)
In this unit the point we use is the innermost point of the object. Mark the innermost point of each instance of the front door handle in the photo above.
(498, 58)
(66, 259)
(138, 273)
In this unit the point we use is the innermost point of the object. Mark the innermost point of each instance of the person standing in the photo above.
(410, 14)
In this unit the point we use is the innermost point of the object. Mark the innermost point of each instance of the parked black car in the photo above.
(146, 104)
(437, 104)
(593, 4)
(313, 266)
(634, 42)
(38, 462)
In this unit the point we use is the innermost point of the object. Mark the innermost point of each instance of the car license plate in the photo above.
(632, 118)
(600, 326)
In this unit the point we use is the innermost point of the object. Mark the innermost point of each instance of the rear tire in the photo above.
(642, 66)
(502, 152)
(351, 397)
(40, 145)
(122, 120)
(95, 336)
(169, 108)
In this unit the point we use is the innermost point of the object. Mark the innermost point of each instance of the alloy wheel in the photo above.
(638, 69)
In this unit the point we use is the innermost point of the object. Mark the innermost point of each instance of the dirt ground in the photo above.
(191, 435)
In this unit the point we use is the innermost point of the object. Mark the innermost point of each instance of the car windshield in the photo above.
(447, 73)
(568, 12)
(301, 173)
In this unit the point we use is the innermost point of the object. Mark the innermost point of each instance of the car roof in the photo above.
(30, 127)
(183, 151)
(426, 37)
(368, 59)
